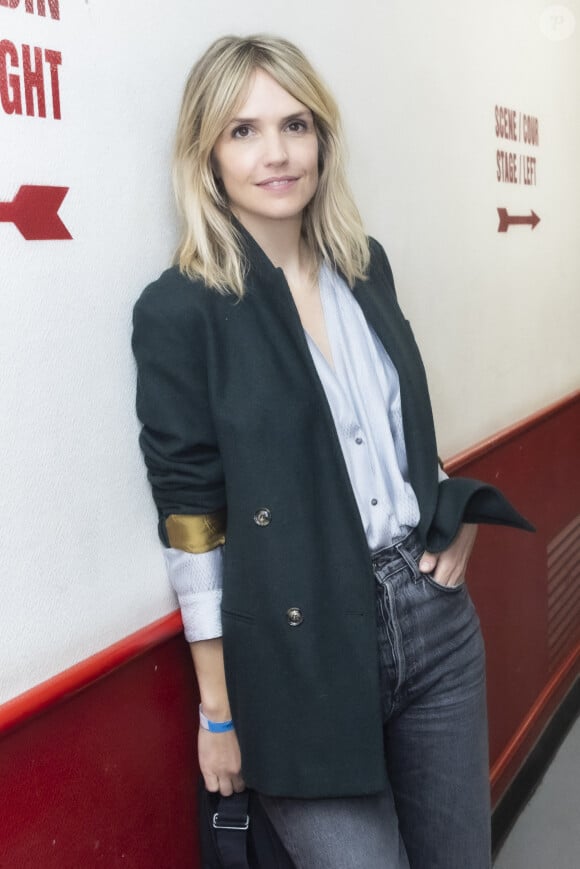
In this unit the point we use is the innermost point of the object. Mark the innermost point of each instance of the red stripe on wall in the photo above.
(537, 464)
(106, 778)
(83, 674)
(523, 740)
(513, 432)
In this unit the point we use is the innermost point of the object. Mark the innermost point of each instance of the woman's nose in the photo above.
(274, 148)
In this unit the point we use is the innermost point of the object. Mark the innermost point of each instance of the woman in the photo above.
(285, 409)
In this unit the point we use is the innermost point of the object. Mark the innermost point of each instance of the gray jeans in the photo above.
(435, 813)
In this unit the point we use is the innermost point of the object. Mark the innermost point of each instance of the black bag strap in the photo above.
(230, 823)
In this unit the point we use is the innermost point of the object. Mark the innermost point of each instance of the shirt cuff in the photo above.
(196, 578)
(441, 475)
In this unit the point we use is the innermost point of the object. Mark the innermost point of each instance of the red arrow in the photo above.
(505, 219)
(34, 212)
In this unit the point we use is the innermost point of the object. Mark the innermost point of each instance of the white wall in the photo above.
(495, 314)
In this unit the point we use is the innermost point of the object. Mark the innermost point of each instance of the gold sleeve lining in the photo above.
(196, 533)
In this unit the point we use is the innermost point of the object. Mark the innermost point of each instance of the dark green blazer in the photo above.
(234, 416)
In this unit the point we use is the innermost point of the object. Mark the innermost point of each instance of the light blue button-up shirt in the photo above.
(362, 389)
(364, 397)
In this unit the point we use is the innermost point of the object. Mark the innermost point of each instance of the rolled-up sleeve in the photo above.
(179, 446)
(197, 582)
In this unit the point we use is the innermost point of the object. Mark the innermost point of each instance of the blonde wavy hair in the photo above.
(210, 247)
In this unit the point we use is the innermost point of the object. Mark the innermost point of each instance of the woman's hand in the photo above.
(448, 567)
(218, 753)
(220, 761)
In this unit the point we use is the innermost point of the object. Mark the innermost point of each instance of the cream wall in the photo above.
(495, 314)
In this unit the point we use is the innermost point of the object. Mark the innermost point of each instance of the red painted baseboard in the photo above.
(530, 729)
(537, 464)
(86, 672)
(107, 776)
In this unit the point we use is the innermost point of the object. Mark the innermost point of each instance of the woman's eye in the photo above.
(241, 132)
(297, 126)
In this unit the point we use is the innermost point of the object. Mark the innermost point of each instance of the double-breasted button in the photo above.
(294, 616)
(262, 517)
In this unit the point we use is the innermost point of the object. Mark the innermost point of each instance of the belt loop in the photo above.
(408, 559)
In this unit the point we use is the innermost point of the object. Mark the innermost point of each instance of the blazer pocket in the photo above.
(238, 616)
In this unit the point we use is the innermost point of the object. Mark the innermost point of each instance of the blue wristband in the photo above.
(214, 726)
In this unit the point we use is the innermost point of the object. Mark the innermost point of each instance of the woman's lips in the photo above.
(278, 183)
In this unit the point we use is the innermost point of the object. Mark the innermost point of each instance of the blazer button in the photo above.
(262, 516)
(294, 616)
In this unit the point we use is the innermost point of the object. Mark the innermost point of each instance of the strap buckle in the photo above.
(230, 823)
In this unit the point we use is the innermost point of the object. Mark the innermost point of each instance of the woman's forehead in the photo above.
(264, 96)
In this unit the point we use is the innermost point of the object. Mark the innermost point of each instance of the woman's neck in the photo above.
(282, 242)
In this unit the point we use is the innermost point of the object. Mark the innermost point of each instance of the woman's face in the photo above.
(267, 156)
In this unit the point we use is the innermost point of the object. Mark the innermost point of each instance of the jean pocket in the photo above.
(446, 589)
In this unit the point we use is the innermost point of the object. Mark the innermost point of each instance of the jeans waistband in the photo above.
(390, 557)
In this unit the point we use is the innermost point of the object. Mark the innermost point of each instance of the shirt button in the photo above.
(358, 440)
(262, 517)
(294, 616)
(374, 502)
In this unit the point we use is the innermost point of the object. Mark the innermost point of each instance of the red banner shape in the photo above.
(506, 220)
(34, 212)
